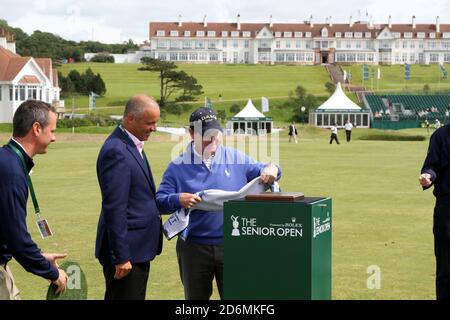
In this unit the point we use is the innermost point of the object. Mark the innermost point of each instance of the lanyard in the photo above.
(30, 184)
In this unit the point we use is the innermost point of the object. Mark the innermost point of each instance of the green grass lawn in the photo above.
(233, 82)
(392, 78)
(381, 215)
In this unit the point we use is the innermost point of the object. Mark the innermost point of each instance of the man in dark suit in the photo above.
(129, 230)
(34, 126)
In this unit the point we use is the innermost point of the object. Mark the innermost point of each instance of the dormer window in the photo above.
(211, 33)
(160, 33)
(235, 34)
(432, 35)
(349, 34)
(420, 35)
(246, 34)
(277, 34)
(187, 33)
(358, 34)
(308, 34)
(174, 33)
(224, 33)
(338, 35)
(200, 33)
(298, 34)
(287, 34)
(368, 35)
(324, 33)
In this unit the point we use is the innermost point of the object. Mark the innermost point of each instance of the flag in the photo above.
(365, 72)
(208, 103)
(265, 104)
(406, 71)
(379, 73)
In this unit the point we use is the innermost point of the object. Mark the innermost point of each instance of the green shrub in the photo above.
(391, 137)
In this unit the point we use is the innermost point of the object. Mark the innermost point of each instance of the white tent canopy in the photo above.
(249, 111)
(339, 101)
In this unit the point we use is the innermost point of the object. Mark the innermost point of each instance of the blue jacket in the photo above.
(129, 228)
(230, 171)
(15, 241)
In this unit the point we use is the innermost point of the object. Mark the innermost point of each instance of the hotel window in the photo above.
(351, 57)
(279, 57)
(348, 34)
(412, 58)
(420, 35)
(446, 35)
(309, 57)
(308, 44)
(434, 57)
(235, 44)
(432, 35)
(183, 56)
(348, 44)
(224, 43)
(445, 45)
(405, 44)
(246, 57)
(396, 35)
(187, 33)
(287, 45)
(340, 57)
(161, 44)
(32, 92)
(287, 34)
(174, 33)
(412, 45)
(361, 57)
(358, 34)
(338, 34)
(397, 57)
(1, 89)
(173, 56)
(277, 34)
(224, 57)
(407, 35)
(193, 56)
(324, 33)
(211, 33)
(246, 43)
(246, 34)
(187, 44)
(174, 44)
(235, 34)
(298, 34)
(277, 44)
(160, 33)
(421, 45)
(224, 33)
(200, 33)
(447, 57)
(338, 44)
(213, 57)
(211, 44)
(358, 44)
(203, 56)
(200, 45)
(298, 44)
(370, 57)
(21, 93)
(308, 34)
(404, 57)
(162, 56)
(235, 57)
(11, 96)
(368, 35)
(290, 57)
(300, 56)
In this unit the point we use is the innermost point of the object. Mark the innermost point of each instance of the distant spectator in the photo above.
(437, 124)
(334, 131)
(348, 130)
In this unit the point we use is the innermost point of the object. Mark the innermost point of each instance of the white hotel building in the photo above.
(23, 78)
(300, 43)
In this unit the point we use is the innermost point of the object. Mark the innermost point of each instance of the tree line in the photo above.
(48, 45)
(83, 84)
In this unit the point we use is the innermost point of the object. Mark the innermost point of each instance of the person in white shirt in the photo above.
(437, 124)
(334, 131)
(348, 130)
(293, 132)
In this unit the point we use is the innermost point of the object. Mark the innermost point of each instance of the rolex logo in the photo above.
(293, 219)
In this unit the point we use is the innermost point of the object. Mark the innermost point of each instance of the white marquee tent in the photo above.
(249, 121)
(337, 109)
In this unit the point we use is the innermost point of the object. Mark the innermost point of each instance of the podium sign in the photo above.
(278, 249)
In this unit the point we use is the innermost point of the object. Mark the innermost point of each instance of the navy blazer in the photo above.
(15, 240)
(129, 228)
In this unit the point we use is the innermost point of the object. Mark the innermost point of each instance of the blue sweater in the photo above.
(230, 171)
(15, 240)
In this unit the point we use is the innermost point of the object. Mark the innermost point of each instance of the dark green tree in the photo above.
(330, 87)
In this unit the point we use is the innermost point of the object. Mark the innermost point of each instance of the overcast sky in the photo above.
(115, 21)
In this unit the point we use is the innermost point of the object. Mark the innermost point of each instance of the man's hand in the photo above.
(61, 282)
(188, 200)
(122, 270)
(52, 257)
(269, 174)
(425, 180)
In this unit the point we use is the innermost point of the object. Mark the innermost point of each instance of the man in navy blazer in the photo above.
(129, 230)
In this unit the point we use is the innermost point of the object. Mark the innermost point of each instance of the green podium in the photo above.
(277, 249)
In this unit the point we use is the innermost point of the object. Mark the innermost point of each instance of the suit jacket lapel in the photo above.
(134, 151)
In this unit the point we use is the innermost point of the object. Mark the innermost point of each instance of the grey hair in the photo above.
(135, 107)
(28, 113)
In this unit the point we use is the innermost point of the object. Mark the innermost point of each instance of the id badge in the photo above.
(44, 228)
